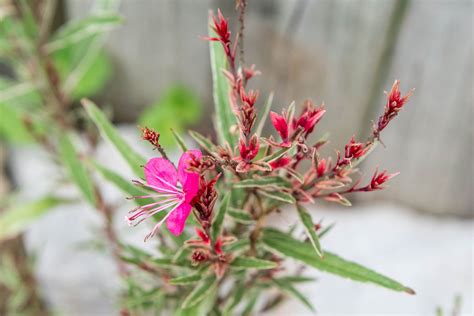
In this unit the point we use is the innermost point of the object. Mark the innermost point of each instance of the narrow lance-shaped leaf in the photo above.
(200, 291)
(108, 131)
(274, 182)
(278, 196)
(277, 154)
(289, 288)
(309, 228)
(219, 217)
(252, 263)
(179, 141)
(203, 141)
(225, 118)
(186, 279)
(15, 220)
(240, 216)
(76, 169)
(290, 247)
(125, 185)
(264, 114)
(76, 31)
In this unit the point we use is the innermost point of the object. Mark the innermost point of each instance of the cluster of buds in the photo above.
(395, 103)
(207, 251)
(248, 151)
(221, 27)
(288, 126)
(151, 136)
(247, 113)
(376, 183)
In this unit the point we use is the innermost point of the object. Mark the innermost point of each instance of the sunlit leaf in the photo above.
(108, 131)
(331, 263)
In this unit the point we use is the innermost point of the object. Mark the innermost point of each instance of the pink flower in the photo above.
(175, 189)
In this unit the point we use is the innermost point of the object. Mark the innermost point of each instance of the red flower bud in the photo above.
(308, 118)
(151, 136)
(355, 150)
(280, 124)
(378, 179)
(280, 163)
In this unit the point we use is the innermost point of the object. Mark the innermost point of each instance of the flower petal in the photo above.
(161, 174)
(189, 180)
(177, 219)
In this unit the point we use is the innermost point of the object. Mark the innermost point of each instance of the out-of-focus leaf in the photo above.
(264, 114)
(270, 182)
(202, 308)
(203, 141)
(123, 184)
(289, 288)
(219, 217)
(240, 216)
(176, 109)
(236, 297)
(225, 118)
(297, 279)
(76, 170)
(200, 291)
(310, 230)
(331, 263)
(15, 220)
(278, 154)
(179, 141)
(252, 263)
(186, 279)
(93, 77)
(325, 230)
(11, 125)
(278, 196)
(76, 31)
(108, 131)
(239, 245)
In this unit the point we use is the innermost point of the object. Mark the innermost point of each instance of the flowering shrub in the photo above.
(232, 187)
(225, 190)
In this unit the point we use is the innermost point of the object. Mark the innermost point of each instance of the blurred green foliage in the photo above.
(178, 108)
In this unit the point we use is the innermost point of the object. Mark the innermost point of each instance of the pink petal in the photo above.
(189, 180)
(161, 174)
(177, 219)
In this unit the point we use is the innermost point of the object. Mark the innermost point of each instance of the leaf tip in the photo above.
(409, 291)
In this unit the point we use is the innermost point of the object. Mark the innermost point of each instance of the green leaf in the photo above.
(219, 217)
(186, 279)
(225, 118)
(252, 263)
(179, 141)
(240, 216)
(200, 291)
(297, 279)
(122, 184)
(309, 228)
(108, 131)
(331, 263)
(289, 288)
(278, 154)
(11, 125)
(326, 230)
(76, 31)
(279, 196)
(264, 114)
(270, 182)
(15, 220)
(93, 72)
(203, 142)
(76, 169)
(238, 293)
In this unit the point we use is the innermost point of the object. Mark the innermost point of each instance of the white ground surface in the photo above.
(432, 255)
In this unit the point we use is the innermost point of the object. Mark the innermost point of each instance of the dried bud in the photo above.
(199, 255)
(151, 136)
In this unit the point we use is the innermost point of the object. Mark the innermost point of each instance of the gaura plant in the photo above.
(226, 190)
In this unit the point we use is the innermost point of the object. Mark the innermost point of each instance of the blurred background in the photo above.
(154, 69)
